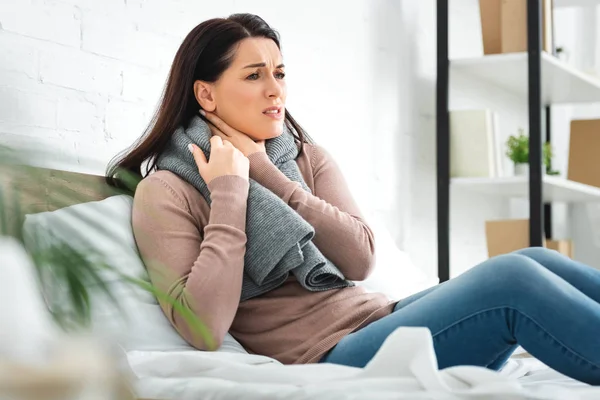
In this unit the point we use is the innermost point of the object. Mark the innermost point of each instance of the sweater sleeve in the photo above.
(341, 232)
(201, 267)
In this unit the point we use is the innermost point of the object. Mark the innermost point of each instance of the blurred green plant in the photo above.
(61, 265)
(518, 151)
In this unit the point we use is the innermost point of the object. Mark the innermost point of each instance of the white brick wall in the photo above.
(82, 78)
(142, 84)
(84, 72)
(54, 22)
(18, 57)
(123, 118)
(79, 113)
(27, 108)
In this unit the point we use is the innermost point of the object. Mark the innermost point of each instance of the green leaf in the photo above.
(197, 326)
(3, 212)
(59, 265)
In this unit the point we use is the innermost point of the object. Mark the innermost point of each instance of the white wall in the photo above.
(82, 77)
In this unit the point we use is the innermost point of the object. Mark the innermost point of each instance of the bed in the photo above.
(405, 367)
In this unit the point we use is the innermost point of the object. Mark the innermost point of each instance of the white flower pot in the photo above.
(521, 169)
(563, 56)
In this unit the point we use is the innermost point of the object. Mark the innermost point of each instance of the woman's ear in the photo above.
(204, 95)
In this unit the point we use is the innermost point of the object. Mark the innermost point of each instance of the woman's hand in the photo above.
(241, 141)
(224, 160)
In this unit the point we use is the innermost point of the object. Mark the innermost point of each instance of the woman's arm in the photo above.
(341, 233)
(202, 271)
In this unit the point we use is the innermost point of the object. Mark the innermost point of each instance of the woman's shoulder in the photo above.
(167, 186)
(315, 154)
(310, 148)
(158, 181)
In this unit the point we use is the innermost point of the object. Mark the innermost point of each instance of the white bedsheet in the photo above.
(404, 368)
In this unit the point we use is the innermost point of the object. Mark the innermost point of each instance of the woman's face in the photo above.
(250, 95)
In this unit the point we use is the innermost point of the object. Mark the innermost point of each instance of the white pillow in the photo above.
(105, 227)
(395, 274)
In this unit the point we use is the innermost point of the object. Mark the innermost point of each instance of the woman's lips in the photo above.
(278, 114)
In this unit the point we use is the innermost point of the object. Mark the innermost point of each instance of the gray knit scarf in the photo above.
(279, 241)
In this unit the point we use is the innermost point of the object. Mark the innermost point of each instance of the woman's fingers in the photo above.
(219, 124)
(239, 140)
(216, 141)
(216, 132)
(199, 157)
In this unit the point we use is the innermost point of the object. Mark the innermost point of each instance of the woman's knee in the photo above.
(514, 269)
(537, 253)
(512, 280)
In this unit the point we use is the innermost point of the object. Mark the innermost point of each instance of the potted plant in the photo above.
(518, 152)
(562, 54)
(56, 263)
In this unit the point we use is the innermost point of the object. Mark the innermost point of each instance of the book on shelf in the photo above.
(504, 26)
(474, 144)
(584, 144)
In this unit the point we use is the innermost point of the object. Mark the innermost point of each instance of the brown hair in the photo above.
(204, 54)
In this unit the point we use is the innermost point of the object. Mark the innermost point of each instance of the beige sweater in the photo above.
(195, 253)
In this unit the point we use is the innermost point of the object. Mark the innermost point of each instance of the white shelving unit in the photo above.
(562, 84)
(555, 189)
(576, 3)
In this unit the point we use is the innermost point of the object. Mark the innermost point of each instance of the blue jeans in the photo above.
(536, 298)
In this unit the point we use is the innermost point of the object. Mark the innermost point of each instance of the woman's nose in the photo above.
(274, 88)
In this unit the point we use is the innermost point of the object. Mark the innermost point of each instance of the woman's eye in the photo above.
(255, 76)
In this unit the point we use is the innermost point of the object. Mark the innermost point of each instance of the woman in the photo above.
(231, 72)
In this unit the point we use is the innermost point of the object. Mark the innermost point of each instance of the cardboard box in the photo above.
(504, 26)
(490, 12)
(513, 26)
(506, 236)
(562, 246)
(584, 163)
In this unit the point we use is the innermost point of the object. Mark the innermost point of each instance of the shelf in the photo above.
(575, 3)
(555, 189)
(561, 83)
